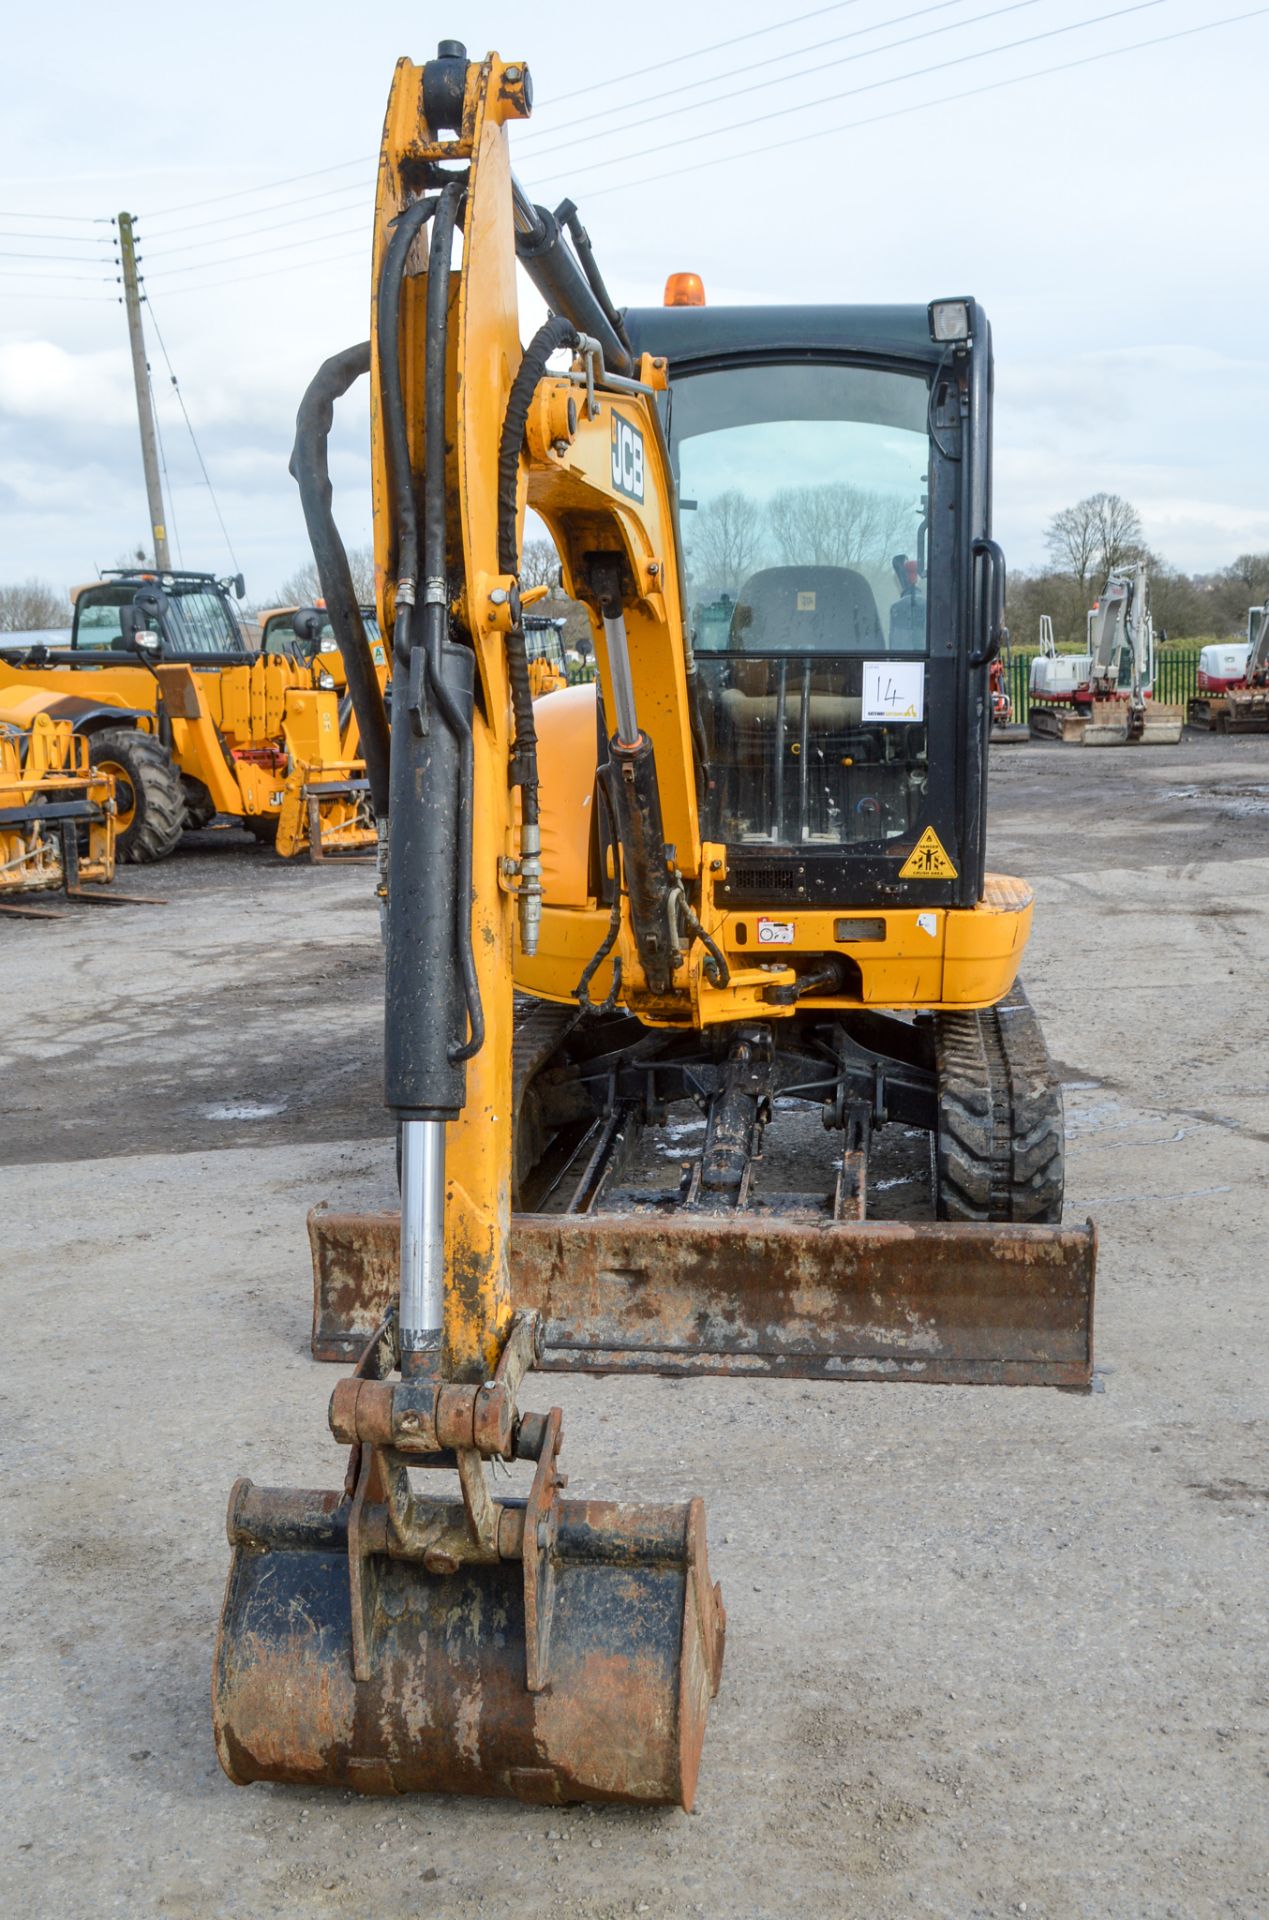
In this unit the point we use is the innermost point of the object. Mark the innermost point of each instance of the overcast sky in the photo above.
(1110, 217)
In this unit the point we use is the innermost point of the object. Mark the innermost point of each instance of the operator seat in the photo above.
(806, 610)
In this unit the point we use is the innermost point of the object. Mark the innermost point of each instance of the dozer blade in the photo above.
(436, 1682)
(1161, 725)
(946, 1303)
(1112, 723)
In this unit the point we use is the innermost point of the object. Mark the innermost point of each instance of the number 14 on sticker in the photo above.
(894, 690)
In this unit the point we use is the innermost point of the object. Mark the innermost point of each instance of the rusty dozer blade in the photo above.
(943, 1303)
(550, 1650)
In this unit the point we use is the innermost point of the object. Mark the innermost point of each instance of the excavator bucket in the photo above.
(584, 1677)
(945, 1303)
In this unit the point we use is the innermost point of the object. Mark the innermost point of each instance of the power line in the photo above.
(240, 279)
(38, 293)
(302, 220)
(167, 484)
(198, 452)
(872, 86)
(61, 240)
(943, 100)
(636, 73)
(77, 219)
(26, 273)
(244, 193)
(72, 259)
(845, 59)
(257, 213)
(714, 79)
(255, 253)
(717, 46)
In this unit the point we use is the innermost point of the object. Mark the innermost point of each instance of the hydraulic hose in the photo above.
(311, 473)
(396, 437)
(436, 594)
(554, 333)
(566, 213)
(609, 941)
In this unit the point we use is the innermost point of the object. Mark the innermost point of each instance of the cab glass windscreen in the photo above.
(803, 495)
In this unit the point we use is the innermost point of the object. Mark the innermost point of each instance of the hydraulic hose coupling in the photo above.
(529, 892)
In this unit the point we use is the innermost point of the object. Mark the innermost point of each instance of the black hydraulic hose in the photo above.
(436, 596)
(609, 940)
(554, 333)
(396, 436)
(311, 473)
(566, 213)
(525, 748)
(716, 968)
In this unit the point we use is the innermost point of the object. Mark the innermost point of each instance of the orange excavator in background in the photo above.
(729, 883)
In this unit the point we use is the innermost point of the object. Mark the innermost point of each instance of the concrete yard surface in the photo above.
(990, 1651)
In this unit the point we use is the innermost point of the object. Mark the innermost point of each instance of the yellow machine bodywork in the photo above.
(934, 958)
(262, 739)
(44, 764)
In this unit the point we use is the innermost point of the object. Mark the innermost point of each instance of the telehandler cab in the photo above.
(727, 880)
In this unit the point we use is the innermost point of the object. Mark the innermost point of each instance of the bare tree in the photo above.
(837, 525)
(1094, 536)
(1071, 537)
(725, 542)
(539, 564)
(33, 607)
(1119, 533)
(303, 587)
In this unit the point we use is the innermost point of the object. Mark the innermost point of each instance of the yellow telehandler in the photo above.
(159, 681)
(731, 882)
(57, 815)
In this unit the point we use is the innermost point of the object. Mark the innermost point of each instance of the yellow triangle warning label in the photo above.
(927, 860)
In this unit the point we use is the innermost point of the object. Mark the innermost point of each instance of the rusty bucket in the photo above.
(340, 1663)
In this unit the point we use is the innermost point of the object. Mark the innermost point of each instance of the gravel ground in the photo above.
(989, 1653)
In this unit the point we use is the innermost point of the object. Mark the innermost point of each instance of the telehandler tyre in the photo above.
(148, 793)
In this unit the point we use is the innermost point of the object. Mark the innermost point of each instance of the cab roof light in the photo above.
(952, 321)
(684, 290)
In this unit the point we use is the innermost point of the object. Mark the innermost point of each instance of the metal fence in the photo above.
(1175, 678)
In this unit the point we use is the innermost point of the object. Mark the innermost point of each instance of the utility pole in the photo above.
(141, 376)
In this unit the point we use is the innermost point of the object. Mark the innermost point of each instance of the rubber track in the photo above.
(1000, 1142)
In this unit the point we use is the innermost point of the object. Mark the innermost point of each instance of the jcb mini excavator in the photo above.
(728, 882)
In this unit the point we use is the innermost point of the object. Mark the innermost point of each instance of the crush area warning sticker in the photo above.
(927, 860)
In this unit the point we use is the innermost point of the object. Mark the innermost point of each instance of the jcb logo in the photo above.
(627, 458)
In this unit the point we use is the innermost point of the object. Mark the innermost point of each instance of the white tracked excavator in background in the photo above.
(1233, 682)
(1103, 698)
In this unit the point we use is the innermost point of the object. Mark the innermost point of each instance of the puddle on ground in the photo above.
(242, 1110)
(1243, 801)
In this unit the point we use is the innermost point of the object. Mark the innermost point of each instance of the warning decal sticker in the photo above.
(927, 860)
